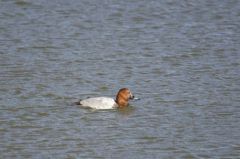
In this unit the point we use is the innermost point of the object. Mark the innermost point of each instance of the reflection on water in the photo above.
(126, 111)
(181, 59)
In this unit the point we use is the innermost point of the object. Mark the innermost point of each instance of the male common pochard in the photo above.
(121, 101)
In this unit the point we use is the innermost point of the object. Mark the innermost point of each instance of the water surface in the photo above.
(181, 58)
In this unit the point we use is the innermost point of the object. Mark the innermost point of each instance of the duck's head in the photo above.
(123, 96)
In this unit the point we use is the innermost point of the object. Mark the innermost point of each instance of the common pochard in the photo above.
(121, 101)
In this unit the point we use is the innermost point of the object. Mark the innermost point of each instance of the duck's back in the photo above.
(99, 103)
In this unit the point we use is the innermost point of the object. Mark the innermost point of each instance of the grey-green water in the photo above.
(180, 57)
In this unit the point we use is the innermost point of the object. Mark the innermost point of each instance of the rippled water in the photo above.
(180, 57)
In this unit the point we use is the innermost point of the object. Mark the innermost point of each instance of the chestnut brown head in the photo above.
(123, 96)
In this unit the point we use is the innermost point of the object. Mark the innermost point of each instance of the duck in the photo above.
(121, 101)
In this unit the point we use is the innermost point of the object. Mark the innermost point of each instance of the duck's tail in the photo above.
(78, 102)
